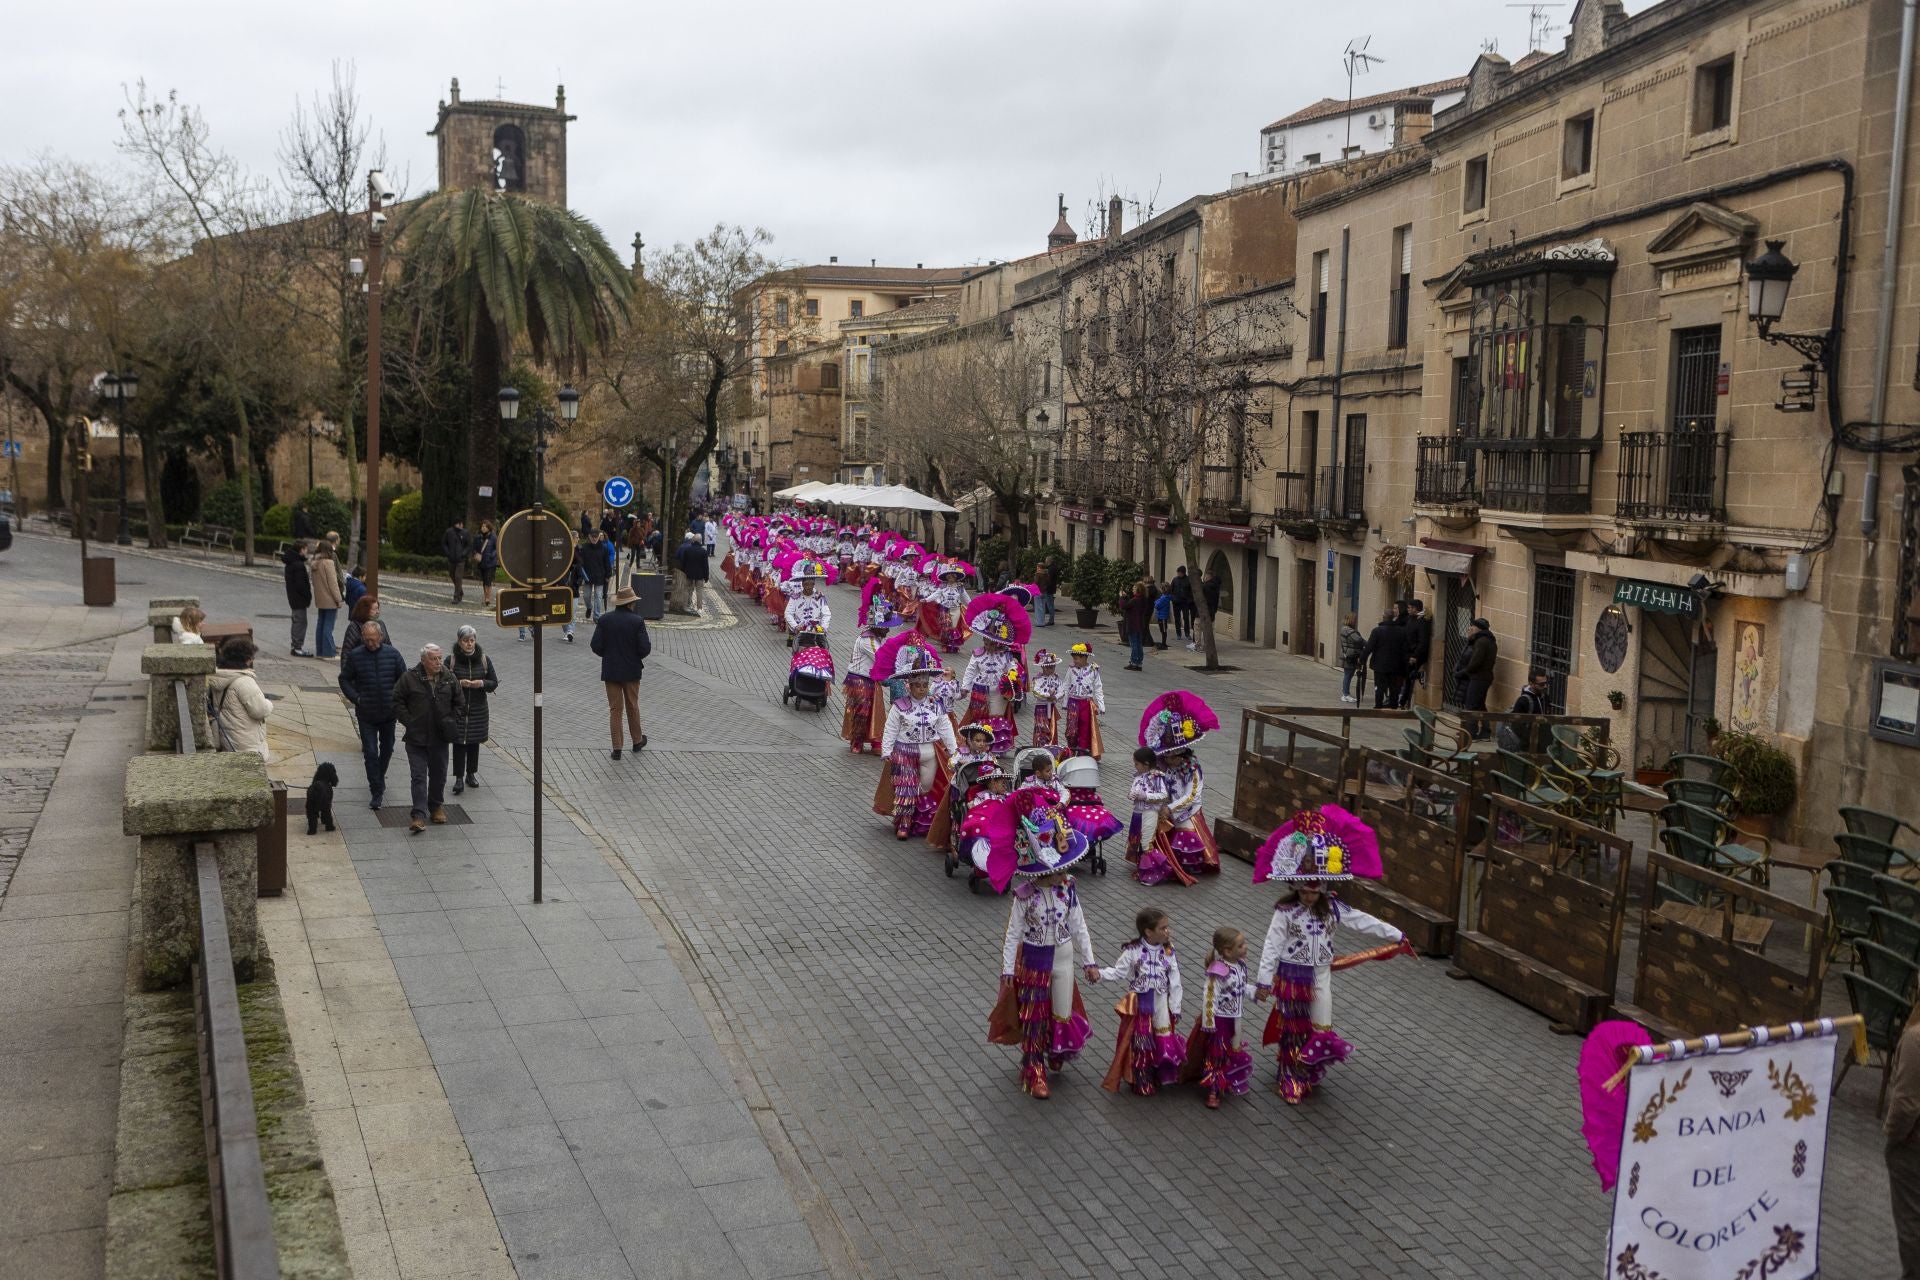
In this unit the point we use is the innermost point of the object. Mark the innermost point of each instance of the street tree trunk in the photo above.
(483, 427)
(156, 501)
(1190, 546)
(246, 474)
(54, 416)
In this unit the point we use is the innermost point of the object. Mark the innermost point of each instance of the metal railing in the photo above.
(1444, 471)
(1293, 497)
(1673, 475)
(1543, 477)
(1223, 493)
(243, 1244)
(1342, 494)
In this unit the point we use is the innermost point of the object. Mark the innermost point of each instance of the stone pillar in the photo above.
(174, 802)
(162, 664)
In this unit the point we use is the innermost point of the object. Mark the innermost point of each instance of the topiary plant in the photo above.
(277, 521)
(222, 506)
(330, 515)
(1088, 585)
(403, 521)
(1764, 780)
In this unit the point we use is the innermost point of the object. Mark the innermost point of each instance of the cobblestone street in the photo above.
(846, 983)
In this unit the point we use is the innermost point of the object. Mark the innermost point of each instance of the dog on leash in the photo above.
(320, 798)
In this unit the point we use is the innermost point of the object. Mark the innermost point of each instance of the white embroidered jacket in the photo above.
(1049, 691)
(864, 648)
(1149, 791)
(1084, 682)
(917, 722)
(950, 598)
(1226, 992)
(809, 613)
(986, 669)
(1146, 966)
(1049, 916)
(1185, 787)
(1298, 936)
(944, 691)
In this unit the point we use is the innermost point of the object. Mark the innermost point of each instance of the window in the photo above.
(856, 308)
(780, 311)
(1312, 157)
(829, 377)
(1317, 322)
(1401, 298)
(1696, 378)
(1473, 186)
(1713, 95)
(1046, 378)
(1464, 417)
(780, 347)
(860, 435)
(1553, 629)
(1576, 146)
(811, 307)
(1348, 153)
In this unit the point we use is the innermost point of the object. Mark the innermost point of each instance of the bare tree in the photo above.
(1159, 384)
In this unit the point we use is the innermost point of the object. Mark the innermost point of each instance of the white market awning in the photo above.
(892, 497)
(802, 490)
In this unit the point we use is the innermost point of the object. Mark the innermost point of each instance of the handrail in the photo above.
(243, 1244)
(184, 742)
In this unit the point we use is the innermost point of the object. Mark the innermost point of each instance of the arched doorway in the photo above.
(1221, 568)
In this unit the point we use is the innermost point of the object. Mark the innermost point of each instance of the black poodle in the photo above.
(320, 798)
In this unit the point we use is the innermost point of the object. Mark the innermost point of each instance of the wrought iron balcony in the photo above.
(1673, 476)
(1223, 495)
(1341, 495)
(1536, 476)
(1444, 471)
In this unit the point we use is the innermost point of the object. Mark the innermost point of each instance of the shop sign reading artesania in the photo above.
(1661, 597)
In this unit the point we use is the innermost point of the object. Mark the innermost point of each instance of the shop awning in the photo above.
(890, 497)
(801, 490)
(1439, 560)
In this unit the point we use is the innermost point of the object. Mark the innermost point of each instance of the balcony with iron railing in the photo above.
(1224, 495)
(1341, 495)
(1445, 472)
(1673, 477)
(1293, 505)
(1537, 476)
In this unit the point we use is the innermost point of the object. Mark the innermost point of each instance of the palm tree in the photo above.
(501, 272)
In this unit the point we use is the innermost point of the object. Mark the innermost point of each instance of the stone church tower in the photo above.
(508, 146)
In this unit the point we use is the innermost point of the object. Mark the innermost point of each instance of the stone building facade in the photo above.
(505, 146)
(803, 415)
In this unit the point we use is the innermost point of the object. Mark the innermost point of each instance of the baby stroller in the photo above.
(1082, 774)
(968, 779)
(810, 673)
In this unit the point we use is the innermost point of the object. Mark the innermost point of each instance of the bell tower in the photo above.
(503, 146)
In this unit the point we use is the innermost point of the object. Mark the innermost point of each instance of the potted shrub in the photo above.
(1088, 587)
(1649, 774)
(1617, 699)
(1764, 781)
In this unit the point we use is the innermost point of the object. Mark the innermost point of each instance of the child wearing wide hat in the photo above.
(1314, 849)
(1086, 702)
(1049, 701)
(917, 742)
(865, 719)
(995, 677)
(1182, 846)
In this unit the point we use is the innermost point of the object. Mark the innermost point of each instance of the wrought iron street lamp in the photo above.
(379, 191)
(1769, 281)
(116, 388)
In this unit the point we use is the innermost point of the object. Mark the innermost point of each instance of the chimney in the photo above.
(919, 266)
(454, 95)
(833, 260)
(1113, 217)
(560, 99)
(1062, 234)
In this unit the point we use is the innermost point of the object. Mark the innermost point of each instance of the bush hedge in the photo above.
(402, 525)
(223, 505)
(330, 515)
(277, 521)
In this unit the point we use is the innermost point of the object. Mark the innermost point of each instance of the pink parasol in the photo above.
(1603, 1111)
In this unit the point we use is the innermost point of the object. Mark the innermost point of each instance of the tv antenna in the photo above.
(1539, 22)
(1359, 62)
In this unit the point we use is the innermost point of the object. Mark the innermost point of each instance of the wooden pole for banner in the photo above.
(1649, 1053)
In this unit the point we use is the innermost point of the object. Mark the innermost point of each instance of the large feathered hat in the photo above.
(805, 567)
(904, 656)
(876, 615)
(996, 617)
(1324, 844)
(1024, 835)
(1022, 593)
(1175, 720)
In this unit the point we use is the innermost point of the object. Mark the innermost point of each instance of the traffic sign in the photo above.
(618, 491)
(9, 448)
(535, 548)
(532, 607)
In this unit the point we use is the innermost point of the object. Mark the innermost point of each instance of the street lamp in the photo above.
(114, 389)
(378, 193)
(1769, 281)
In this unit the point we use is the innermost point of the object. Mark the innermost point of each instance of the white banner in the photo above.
(1721, 1165)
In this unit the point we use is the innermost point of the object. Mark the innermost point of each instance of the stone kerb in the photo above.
(162, 664)
(172, 803)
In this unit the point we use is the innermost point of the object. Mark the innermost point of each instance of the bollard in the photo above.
(270, 842)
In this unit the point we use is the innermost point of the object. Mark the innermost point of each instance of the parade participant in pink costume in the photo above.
(1147, 797)
(917, 742)
(996, 674)
(943, 604)
(1150, 1051)
(1049, 702)
(1086, 702)
(808, 611)
(1311, 851)
(865, 720)
(1182, 846)
(1082, 806)
(1021, 838)
(1216, 1059)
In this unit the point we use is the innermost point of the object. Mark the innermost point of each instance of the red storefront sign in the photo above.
(1159, 524)
(1237, 534)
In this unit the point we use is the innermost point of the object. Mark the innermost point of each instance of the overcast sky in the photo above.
(913, 132)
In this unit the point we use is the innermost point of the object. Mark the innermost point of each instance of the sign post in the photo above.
(535, 550)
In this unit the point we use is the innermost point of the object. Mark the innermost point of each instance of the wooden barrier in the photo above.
(1426, 820)
(1541, 932)
(1719, 965)
(1285, 766)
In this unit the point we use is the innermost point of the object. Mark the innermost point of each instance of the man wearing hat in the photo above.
(1474, 667)
(620, 638)
(693, 562)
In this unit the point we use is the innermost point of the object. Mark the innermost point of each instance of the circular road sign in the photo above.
(618, 491)
(535, 548)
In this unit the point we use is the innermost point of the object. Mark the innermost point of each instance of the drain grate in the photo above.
(399, 816)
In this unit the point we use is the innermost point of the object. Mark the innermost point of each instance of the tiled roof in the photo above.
(842, 273)
(1327, 107)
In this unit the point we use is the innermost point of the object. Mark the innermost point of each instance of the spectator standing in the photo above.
(332, 540)
(693, 562)
(1535, 697)
(424, 701)
(586, 524)
(1182, 593)
(1353, 649)
(1386, 654)
(454, 545)
(303, 529)
(1044, 585)
(597, 569)
(712, 538)
(238, 701)
(356, 588)
(299, 594)
(364, 611)
(327, 599)
(486, 549)
(1419, 648)
(1163, 610)
(369, 669)
(621, 640)
(1903, 1143)
(1210, 594)
(1138, 616)
(473, 673)
(1475, 667)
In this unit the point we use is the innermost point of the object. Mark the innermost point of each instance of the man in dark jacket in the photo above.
(303, 530)
(1044, 585)
(620, 638)
(1386, 656)
(1419, 648)
(1182, 593)
(1210, 592)
(1475, 669)
(1138, 615)
(368, 673)
(423, 701)
(596, 565)
(693, 562)
(299, 594)
(455, 545)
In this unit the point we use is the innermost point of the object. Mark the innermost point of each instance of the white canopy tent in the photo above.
(892, 497)
(802, 490)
